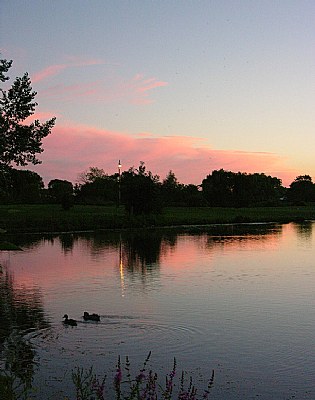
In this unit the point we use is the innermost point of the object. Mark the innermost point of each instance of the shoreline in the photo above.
(51, 219)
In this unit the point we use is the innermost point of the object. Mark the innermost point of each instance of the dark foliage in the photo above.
(302, 189)
(102, 190)
(20, 186)
(229, 189)
(61, 192)
(19, 142)
(140, 191)
(177, 194)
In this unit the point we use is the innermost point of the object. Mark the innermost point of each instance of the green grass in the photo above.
(217, 215)
(52, 218)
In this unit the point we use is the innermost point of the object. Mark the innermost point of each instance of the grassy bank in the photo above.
(52, 218)
(213, 215)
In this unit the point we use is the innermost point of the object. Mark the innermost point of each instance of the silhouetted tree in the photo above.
(5, 184)
(27, 186)
(19, 142)
(97, 187)
(5, 65)
(20, 186)
(177, 194)
(91, 175)
(192, 196)
(61, 192)
(218, 188)
(140, 191)
(229, 189)
(171, 190)
(256, 189)
(302, 189)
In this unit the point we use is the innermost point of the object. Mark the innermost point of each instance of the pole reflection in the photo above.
(121, 269)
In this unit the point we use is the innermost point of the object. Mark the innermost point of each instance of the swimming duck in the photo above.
(69, 321)
(91, 317)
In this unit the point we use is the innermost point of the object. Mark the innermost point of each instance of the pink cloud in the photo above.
(55, 69)
(48, 72)
(133, 91)
(71, 149)
(72, 92)
(139, 87)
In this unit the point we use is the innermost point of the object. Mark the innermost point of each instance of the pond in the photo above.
(236, 299)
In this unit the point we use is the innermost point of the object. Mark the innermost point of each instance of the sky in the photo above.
(184, 85)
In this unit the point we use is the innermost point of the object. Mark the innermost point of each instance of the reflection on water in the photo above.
(21, 307)
(21, 312)
(304, 232)
(18, 364)
(236, 298)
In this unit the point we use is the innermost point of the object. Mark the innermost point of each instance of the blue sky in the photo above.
(190, 86)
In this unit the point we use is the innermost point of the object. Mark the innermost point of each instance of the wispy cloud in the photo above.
(139, 88)
(73, 92)
(55, 69)
(48, 72)
(72, 149)
(136, 91)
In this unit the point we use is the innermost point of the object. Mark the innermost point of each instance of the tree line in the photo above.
(139, 190)
(142, 192)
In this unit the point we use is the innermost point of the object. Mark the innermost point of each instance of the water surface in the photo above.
(238, 299)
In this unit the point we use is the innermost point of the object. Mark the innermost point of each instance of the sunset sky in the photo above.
(188, 86)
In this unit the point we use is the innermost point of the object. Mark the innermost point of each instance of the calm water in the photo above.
(236, 299)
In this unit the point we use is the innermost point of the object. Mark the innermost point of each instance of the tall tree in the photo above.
(230, 189)
(20, 186)
(91, 175)
(217, 188)
(140, 191)
(192, 196)
(101, 190)
(5, 65)
(27, 186)
(59, 188)
(19, 142)
(61, 191)
(302, 189)
(171, 190)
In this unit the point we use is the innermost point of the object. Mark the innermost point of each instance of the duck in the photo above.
(91, 317)
(69, 321)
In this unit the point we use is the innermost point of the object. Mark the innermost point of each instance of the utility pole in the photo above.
(119, 178)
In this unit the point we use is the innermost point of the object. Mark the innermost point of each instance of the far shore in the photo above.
(39, 218)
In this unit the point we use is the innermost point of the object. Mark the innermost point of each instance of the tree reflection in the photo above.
(304, 230)
(141, 251)
(228, 235)
(17, 372)
(21, 311)
(20, 308)
(139, 255)
(67, 241)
